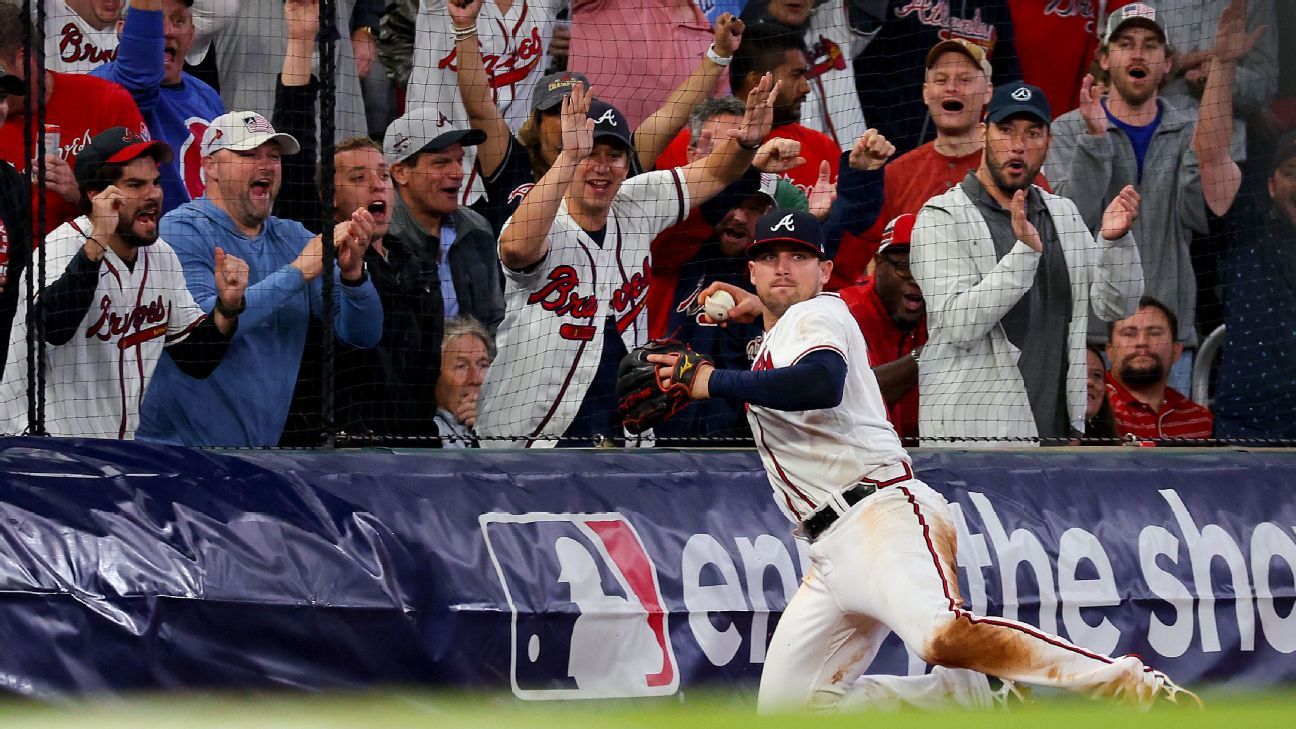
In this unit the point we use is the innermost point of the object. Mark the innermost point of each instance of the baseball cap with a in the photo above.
(1018, 98)
(1136, 14)
(552, 89)
(966, 47)
(425, 129)
(898, 233)
(787, 226)
(117, 145)
(610, 122)
(241, 131)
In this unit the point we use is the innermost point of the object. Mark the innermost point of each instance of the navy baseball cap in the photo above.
(787, 226)
(552, 89)
(610, 122)
(1018, 98)
(116, 145)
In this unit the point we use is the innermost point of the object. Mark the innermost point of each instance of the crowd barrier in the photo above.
(582, 574)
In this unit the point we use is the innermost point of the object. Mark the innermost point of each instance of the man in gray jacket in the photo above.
(1009, 273)
(1178, 159)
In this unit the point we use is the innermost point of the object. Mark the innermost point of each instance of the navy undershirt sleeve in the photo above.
(814, 383)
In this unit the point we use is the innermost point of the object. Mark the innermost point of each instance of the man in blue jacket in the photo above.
(244, 402)
(177, 107)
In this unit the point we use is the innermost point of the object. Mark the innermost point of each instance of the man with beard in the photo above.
(1142, 349)
(114, 297)
(1178, 159)
(246, 402)
(1009, 272)
(892, 315)
(155, 38)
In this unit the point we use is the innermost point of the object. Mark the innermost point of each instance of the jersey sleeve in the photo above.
(184, 313)
(654, 200)
(813, 329)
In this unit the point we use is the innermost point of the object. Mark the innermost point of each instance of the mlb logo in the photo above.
(588, 618)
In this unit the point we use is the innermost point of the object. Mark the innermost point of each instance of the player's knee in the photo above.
(950, 642)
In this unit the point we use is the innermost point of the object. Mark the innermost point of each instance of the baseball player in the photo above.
(576, 258)
(114, 296)
(883, 543)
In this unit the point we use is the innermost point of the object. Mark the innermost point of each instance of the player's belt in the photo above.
(828, 514)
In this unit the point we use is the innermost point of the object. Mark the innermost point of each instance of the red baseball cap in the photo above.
(898, 232)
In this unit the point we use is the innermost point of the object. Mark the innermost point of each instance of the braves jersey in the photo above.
(551, 339)
(71, 44)
(94, 383)
(810, 455)
(833, 106)
(513, 46)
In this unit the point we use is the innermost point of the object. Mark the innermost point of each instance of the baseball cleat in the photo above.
(1009, 694)
(1169, 692)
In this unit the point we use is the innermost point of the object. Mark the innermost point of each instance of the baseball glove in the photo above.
(642, 401)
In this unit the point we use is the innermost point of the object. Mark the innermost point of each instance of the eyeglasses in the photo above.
(901, 266)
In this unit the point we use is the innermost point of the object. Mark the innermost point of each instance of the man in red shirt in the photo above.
(892, 315)
(1142, 349)
(80, 106)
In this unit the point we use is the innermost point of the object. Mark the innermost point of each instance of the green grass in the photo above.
(713, 711)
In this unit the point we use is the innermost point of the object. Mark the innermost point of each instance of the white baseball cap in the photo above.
(425, 129)
(241, 131)
(1136, 14)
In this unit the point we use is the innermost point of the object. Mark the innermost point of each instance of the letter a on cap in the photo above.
(1022, 94)
(608, 116)
(785, 224)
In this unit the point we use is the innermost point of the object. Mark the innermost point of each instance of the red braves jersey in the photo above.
(1178, 417)
(513, 47)
(71, 44)
(887, 343)
(809, 455)
(81, 106)
(815, 147)
(551, 339)
(1056, 40)
(95, 382)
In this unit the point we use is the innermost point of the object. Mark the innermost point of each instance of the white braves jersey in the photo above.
(812, 454)
(833, 106)
(71, 44)
(95, 382)
(551, 339)
(513, 48)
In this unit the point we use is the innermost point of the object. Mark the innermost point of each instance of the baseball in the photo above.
(717, 305)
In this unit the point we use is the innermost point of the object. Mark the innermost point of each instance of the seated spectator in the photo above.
(833, 106)
(769, 48)
(510, 164)
(80, 35)
(1100, 424)
(576, 255)
(241, 161)
(1142, 349)
(466, 354)
(15, 222)
(176, 106)
(1009, 272)
(77, 107)
(114, 297)
(1255, 392)
(892, 315)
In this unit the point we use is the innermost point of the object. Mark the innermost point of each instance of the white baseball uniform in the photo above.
(551, 339)
(94, 383)
(513, 50)
(888, 562)
(833, 106)
(71, 44)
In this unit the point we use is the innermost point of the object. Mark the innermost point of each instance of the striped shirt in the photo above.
(1178, 417)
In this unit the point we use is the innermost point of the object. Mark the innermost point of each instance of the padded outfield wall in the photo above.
(568, 574)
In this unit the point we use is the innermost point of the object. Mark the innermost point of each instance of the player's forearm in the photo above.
(660, 128)
(63, 304)
(525, 239)
(816, 382)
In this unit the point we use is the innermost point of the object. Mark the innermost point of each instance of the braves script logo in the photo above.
(1073, 8)
(442, 119)
(784, 224)
(74, 48)
(129, 328)
(588, 616)
(191, 171)
(936, 13)
(560, 296)
(827, 56)
(507, 67)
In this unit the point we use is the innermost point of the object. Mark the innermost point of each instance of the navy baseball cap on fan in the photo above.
(552, 89)
(1018, 98)
(116, 145)
(1139, 15)
(610, 122)
(787, 226)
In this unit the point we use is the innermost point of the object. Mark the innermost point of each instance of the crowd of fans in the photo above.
(521, 191)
